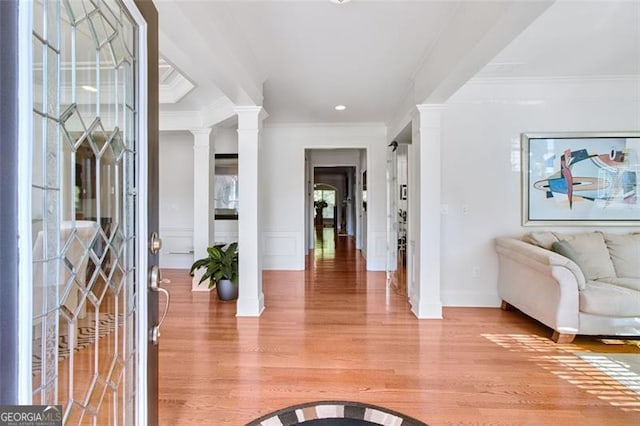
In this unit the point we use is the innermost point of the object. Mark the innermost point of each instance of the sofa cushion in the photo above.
(624, 250)
(542, 239)
(601, 298)
(631, 283)
(592, 253)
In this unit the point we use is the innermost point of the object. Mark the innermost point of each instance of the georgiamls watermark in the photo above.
(31, 415)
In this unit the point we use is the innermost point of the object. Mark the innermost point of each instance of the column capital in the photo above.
(201, 137)
(430, 107)
(206, 131)
(251, 116)
(429, 115)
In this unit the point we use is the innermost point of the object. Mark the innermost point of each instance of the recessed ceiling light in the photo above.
(339, 1)
(340, 107)
(90, 88)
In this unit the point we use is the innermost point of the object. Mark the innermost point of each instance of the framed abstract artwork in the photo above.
(580, 179)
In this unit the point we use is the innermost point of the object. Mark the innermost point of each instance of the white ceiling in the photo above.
(376, 57)
(575, 39)
(317, 54)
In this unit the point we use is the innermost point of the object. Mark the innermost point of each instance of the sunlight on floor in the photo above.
(527, 343)
(325, 243)
(602, 375)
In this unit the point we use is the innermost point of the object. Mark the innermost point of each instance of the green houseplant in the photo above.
(221, 269)
(319, 205)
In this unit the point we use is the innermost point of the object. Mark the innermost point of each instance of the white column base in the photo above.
(250, 307)
(426, 310)
(196, 279)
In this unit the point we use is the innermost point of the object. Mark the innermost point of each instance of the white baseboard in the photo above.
(470, 299)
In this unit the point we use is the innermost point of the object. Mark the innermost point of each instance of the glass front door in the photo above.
(83, 198)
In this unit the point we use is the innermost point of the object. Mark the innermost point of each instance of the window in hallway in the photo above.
(324, 202)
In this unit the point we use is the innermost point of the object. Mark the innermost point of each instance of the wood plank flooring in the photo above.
(336, 331)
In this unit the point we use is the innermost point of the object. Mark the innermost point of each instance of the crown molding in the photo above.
(360, 125)
(555, 79)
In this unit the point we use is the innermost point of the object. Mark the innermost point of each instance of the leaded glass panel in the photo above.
(83, 230)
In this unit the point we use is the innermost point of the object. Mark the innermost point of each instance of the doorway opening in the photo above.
(333, 212)
(397, 211)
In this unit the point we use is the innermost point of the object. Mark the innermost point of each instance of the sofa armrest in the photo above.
(538, 258)
(540, 283)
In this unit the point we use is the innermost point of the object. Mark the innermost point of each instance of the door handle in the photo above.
(155, 279)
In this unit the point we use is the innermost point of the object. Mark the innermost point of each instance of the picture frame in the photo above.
(226, 187)
(580, 179)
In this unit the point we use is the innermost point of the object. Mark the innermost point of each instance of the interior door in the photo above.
(93, 207)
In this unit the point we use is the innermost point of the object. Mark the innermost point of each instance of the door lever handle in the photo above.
(155, 280)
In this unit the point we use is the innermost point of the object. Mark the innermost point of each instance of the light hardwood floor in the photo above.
(336, 332)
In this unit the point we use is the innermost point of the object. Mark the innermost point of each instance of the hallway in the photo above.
(336, 332)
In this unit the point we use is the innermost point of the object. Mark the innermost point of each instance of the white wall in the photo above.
(176, 199)
(225, 140)
(481, 166)
(283, 150)
(176, 194)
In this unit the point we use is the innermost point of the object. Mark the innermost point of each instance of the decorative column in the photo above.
(251, 298)
(427, 302)
(202, 200)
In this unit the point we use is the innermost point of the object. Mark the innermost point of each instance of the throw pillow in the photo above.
(593, 255)
(542, 239)
(625, 254)
(563, 248)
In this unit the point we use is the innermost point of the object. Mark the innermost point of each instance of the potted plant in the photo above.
(221, 266)
(319, 205)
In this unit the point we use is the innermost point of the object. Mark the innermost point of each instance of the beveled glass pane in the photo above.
(108, 175)
(37, 168)
(86, 71)
(53, 24)
(38, 344)
(51, 287)
(39, 51)
(77, 10)
(67, 86)
(51, 233)
(73, 127)
(74, 413)
(119, 94)
(53, 84)
(112, 11)
(102, 30)
(52, 169)
(50, 360)
(119, 51)
(127, 35)
(98, 139)
(65, 373)
(39, 18)
(128, 82)
(109, 91)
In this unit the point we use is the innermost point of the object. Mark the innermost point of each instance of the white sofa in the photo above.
(593, 291)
